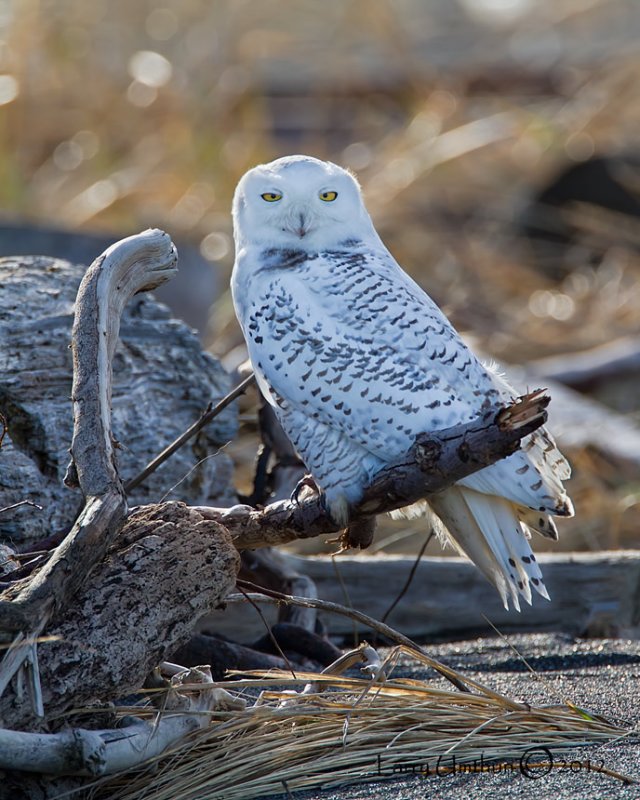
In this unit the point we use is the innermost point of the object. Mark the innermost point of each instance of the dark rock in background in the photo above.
(561, 236)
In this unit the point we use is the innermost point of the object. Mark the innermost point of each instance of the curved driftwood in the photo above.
(132, 265)
(137, 264)
(127, 619)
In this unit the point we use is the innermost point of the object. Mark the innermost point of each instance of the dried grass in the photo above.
(354, 730)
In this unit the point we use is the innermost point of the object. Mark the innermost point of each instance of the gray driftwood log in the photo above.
(163, 381)
(592, 594)
(125, 615)
(94, 753)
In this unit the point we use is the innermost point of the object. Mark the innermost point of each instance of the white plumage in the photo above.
(357, 360)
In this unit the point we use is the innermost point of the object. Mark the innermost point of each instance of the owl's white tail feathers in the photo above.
(487, 529)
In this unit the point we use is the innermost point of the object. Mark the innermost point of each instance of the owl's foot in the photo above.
(358, 535)
(307, 482)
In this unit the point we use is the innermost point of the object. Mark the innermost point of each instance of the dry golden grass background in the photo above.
(120, 115)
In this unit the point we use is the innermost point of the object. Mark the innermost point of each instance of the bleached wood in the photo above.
(102, 752)
(131, 265)
(134, 264)
(583, 369)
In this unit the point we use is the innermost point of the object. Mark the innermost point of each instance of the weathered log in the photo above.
(592, 594)
(132, 265)
(221, 655)
(162, 383)
(436, 461)
(77, 668)
(299, 641)
(103, 752)
(167, 568)
(270, 568)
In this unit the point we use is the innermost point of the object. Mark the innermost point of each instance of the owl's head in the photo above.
(299, 202)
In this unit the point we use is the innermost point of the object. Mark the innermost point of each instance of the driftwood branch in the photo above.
(132, 265)
(102, 752)
(167, 568)
(129, 266)
(136, 264)
(436, 461)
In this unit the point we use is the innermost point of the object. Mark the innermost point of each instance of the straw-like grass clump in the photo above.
(342, 730)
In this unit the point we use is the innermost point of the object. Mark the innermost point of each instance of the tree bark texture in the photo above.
(167, 569)
(163, 381)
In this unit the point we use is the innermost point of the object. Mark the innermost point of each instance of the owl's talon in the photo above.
(306, 482)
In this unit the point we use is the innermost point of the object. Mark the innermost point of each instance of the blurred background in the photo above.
(496, 142)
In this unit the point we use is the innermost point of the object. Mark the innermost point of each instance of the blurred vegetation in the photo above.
(120, 115)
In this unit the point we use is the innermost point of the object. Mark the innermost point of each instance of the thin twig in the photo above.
(546, 683)
(207, 416)
(345, 594)
(410, 578)
(271, 596)
(275, 642)
(20, 503)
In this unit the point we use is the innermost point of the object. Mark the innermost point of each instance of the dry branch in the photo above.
(103, 752)
(365, 619)
(132, 265)
(436, 461)
(205, 419)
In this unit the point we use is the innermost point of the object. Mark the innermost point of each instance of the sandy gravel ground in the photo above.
(597, 674)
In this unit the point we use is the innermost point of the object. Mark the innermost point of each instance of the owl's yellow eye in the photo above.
(328, 197)
(271, 197)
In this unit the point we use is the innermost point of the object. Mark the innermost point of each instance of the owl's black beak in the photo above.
(303, 229)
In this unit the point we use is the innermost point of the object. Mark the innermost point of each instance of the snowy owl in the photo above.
(356, 360)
